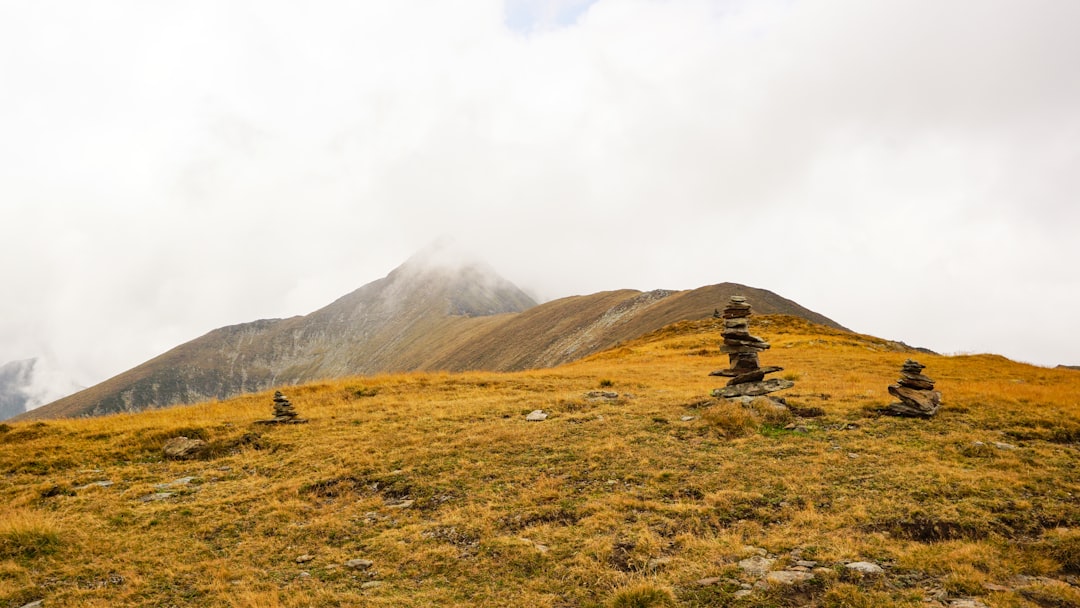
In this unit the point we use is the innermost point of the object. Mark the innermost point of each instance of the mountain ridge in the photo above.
(423, 315)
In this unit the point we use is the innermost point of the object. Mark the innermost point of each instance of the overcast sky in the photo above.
(908, 168)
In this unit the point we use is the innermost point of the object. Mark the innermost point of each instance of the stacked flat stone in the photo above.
(916, 393)
(747, 375)
(284, 412)
(283, 408)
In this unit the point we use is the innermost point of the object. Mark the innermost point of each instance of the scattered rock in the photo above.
(156, 497)
(747, 376)
(742, 593)
(305, 558)
(708, 582)
(359, 564)
(99, 484)
(536, 416)
(788, 577)
(688, 418)
(609, 395)
(34, 604)
(183, 481)
(752, 550)
(757, 565)
(284, 412)
(182, 448)
(805, 563)
(916, 393)
(865, 568)
(966, 602)
(1004, 446)
(371, 585)
(400, 504)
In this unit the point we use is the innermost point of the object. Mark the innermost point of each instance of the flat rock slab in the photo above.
(865, 567)
(753, 389)
(285, 421)
(757, 565)
(788, 577)
(183, 481)
(182, 448)
(536, 416)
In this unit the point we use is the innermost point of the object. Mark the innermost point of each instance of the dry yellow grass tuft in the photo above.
(456, 500)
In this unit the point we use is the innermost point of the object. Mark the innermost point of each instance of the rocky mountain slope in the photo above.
(424, 315)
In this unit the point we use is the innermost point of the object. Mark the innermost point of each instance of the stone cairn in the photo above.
(284, 412)
(916, 393)
(747, 376)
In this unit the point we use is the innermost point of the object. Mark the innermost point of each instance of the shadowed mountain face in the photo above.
(422, 316)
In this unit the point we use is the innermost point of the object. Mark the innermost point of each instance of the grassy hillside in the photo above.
(440, 482)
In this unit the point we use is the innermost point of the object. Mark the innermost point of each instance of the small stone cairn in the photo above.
(916, 393)
(747, 376)
(284, 413)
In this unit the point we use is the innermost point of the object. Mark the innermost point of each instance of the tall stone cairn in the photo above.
(283, 408)
(284, 412)
(747, 375)
(916, 393)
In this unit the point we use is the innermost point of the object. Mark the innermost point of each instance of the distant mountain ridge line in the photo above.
(417, 318)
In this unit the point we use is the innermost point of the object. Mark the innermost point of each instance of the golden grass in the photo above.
(606, 503)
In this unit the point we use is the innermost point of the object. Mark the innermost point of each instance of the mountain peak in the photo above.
(443, 254)
(470, 286)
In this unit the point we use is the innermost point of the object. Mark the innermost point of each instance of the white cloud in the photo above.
(907, 168)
